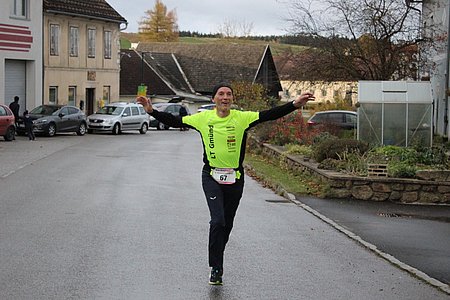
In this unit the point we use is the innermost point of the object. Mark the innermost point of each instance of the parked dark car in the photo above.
(173, 108)
(7, 123)
(344, 119)
(50, 119)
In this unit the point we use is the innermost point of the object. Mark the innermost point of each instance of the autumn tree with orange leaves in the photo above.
(159, 24)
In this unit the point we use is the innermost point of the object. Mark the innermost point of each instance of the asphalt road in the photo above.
(417, 235)
(123, 217)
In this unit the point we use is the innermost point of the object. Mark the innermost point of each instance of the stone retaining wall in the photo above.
(363, 188)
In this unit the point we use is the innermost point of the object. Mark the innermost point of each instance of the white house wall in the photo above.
(323, 91)
(21, 43)
(435, 18)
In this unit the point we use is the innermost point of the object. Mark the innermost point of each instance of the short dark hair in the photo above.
(16, 98)
(218, 86)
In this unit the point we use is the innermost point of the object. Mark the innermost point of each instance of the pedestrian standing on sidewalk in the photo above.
(223, 132)
(28, 125)
(15, 106)
(183, 112)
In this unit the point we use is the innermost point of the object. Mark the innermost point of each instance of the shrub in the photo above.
(299, 149)
(396, 153)
(291, 129)
(338, 103)
(251, 96)
(332, 164)
(435, 156)
(323, 136)
(401, 170)
(337, 148)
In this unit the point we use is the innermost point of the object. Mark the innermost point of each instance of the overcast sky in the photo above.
(206, 16)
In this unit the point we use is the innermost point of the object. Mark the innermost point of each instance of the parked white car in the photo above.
(117, 117)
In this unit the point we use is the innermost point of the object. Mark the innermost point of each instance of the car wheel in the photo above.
(9, 136)
(143, 129)
(81, 129)
(116, 129)
(51, 130)
(162, 126)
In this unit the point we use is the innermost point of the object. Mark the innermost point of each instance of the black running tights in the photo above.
(223, 201)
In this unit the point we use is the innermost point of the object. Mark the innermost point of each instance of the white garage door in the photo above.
(15, 82)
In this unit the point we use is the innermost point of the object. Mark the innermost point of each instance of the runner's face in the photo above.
(223, 98)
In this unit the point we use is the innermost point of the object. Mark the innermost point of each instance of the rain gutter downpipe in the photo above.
(447, 75)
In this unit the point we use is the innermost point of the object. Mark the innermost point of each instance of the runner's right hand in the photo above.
(146, 103)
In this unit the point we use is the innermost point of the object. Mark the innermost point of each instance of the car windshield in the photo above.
(110, 110)
(56, 112)
(44, 110)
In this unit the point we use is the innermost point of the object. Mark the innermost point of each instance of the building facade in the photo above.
(436, 27)
(21, 52)
(323, 91)
(81, 53)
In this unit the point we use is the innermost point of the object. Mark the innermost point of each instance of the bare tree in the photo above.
(361, 39)
(246, 28)
(228, 29)
(231, 28)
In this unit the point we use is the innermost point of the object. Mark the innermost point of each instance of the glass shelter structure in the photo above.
(395, 113)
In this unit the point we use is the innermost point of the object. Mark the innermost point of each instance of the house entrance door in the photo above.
(90, 101)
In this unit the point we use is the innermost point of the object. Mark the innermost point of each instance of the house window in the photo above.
(106, 93)
(53, 95)
(72, 95)
(20, 8)
(324, 92)
(91, 42)
(73, 41)
(107, 44)
(54, 39)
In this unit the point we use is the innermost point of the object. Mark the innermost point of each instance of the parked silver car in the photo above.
(117, 117)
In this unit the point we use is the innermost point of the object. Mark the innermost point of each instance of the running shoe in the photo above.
(216, 276)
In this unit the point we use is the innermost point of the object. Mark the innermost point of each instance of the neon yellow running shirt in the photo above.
(222, 137)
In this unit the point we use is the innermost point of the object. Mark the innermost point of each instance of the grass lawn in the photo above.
(272, 173)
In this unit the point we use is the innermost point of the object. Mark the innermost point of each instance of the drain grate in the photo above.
(278, 201)
(389, 215)
(444, 219)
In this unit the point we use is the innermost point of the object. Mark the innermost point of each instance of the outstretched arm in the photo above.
(282, 110)
(163, 117)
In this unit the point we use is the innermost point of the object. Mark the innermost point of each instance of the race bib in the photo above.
(224, 176)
